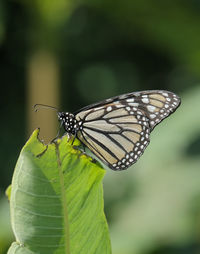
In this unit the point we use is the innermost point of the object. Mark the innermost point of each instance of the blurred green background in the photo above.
(72, 53)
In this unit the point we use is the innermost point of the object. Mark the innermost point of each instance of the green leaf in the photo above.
(8, 192)
(57, 201)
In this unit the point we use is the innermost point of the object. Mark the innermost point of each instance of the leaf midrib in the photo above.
(64, 202)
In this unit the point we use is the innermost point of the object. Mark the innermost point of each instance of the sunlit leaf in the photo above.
(57, 201)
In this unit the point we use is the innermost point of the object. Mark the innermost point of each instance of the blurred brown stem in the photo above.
(43, 87)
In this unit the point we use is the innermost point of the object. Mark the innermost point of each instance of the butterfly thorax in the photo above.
(70, 124)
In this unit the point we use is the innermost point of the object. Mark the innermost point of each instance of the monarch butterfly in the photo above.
(117, 130)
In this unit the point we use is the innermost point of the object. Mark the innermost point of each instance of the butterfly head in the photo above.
(68, 121)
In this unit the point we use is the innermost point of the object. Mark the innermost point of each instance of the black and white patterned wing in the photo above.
(156, 104)
(117, 130)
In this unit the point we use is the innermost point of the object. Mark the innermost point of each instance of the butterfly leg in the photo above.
(94, 160)
(81, 149)
(74, 138)
(57, 135)
(78, 148)
(83, 152)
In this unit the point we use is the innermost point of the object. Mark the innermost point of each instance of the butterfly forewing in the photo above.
(117, 130)
(157, 105)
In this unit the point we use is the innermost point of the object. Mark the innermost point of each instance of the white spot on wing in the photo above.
(133, 104)
(145, 100)
(98, 108)
(109, 100)
(109, 108)
(130, 100)
(151, 108)
(152, 116)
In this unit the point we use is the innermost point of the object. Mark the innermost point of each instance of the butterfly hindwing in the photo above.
(116, 134)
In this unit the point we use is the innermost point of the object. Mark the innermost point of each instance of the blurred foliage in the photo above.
(165, 208)
(2, 21)
(105, 48)
(6, 235)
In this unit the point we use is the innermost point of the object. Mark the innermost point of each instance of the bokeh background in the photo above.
(69, 54)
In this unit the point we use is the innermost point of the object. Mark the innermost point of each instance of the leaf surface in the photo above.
(57, 201)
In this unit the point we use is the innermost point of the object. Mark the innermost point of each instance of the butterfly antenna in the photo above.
(38, 106)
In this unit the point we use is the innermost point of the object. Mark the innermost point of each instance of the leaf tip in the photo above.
(35, 134)
(34, 143)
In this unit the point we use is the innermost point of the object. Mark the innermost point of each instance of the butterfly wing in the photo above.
(155, 104)
(117, 130)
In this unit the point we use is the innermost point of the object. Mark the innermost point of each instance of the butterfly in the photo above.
(117, 130)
